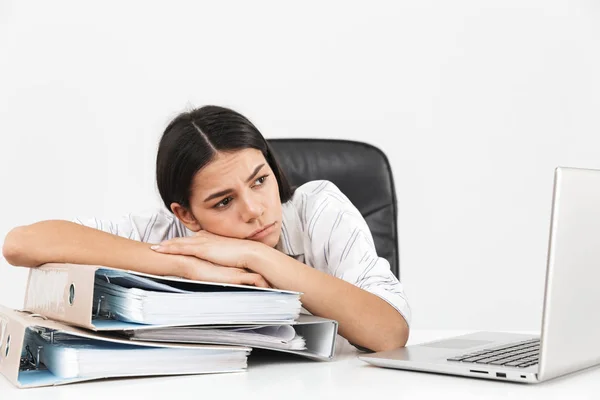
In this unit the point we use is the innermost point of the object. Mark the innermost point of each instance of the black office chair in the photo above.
(361, 171)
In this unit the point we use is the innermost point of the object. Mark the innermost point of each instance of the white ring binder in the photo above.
(45, 352)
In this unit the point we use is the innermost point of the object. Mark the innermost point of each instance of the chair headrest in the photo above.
(361, 171)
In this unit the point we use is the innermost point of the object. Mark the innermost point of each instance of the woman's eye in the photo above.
(261, 180)
(223, 203)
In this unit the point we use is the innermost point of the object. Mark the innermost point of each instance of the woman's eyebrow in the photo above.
(227, 191)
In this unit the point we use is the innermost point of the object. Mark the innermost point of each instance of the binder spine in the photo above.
(3, 325)
(11, 346)
(45, 292)
(62, 292)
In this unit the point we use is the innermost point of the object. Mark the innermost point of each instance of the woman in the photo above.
(232, 217)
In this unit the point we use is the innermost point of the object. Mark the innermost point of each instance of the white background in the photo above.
(474, 102)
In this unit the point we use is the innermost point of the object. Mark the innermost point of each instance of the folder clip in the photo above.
(31, 362)
(101, 313)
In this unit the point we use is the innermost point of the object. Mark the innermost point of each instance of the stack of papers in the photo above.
(280, 337)
(138, 299)
(67, 356)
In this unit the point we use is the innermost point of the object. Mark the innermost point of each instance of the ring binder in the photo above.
(111, 299)
(43, 352)
(318, 334)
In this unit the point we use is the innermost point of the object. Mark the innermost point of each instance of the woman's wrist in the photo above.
(168, 264)
(179, 266)
(256, 255)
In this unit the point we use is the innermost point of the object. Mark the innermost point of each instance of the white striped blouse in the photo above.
(320, 228)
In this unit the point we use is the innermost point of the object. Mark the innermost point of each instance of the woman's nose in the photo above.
(252, 210)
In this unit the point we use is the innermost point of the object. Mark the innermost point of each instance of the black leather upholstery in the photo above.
(361, 171)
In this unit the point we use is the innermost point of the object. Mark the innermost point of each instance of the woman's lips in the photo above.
(264, 232)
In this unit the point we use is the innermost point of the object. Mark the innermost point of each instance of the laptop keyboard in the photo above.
(520, 354)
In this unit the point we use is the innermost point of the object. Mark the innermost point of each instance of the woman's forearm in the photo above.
(67, 242)
(364, 318)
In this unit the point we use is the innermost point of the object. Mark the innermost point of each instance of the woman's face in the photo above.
(235, 195)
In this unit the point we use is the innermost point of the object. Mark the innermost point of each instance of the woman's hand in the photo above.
(193, 268)
(220, 250)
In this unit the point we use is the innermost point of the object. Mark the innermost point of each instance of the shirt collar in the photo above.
(291, 240)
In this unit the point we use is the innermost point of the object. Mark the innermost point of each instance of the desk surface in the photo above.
(347, 377)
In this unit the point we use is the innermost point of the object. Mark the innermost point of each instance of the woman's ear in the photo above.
(186, 217)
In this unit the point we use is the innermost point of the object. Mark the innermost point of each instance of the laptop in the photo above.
(570, 328)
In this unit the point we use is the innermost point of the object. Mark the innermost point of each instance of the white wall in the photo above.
(474, 102)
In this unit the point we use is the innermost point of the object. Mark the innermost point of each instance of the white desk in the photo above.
(283, 376)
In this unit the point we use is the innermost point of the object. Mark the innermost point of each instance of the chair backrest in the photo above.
(361, 171)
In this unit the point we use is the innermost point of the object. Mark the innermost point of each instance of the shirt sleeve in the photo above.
(151, 227)
(342, 245)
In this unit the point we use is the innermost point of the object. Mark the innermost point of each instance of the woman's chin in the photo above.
(270, 240)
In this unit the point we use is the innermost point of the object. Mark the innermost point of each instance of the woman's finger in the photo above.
(185, 239)
(229, 256)
(202, 270)
(179, 248)
(250, 278)
(184, 249)
(220, 275)
(220, 250)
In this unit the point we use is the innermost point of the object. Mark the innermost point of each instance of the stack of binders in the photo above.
(85, 322)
